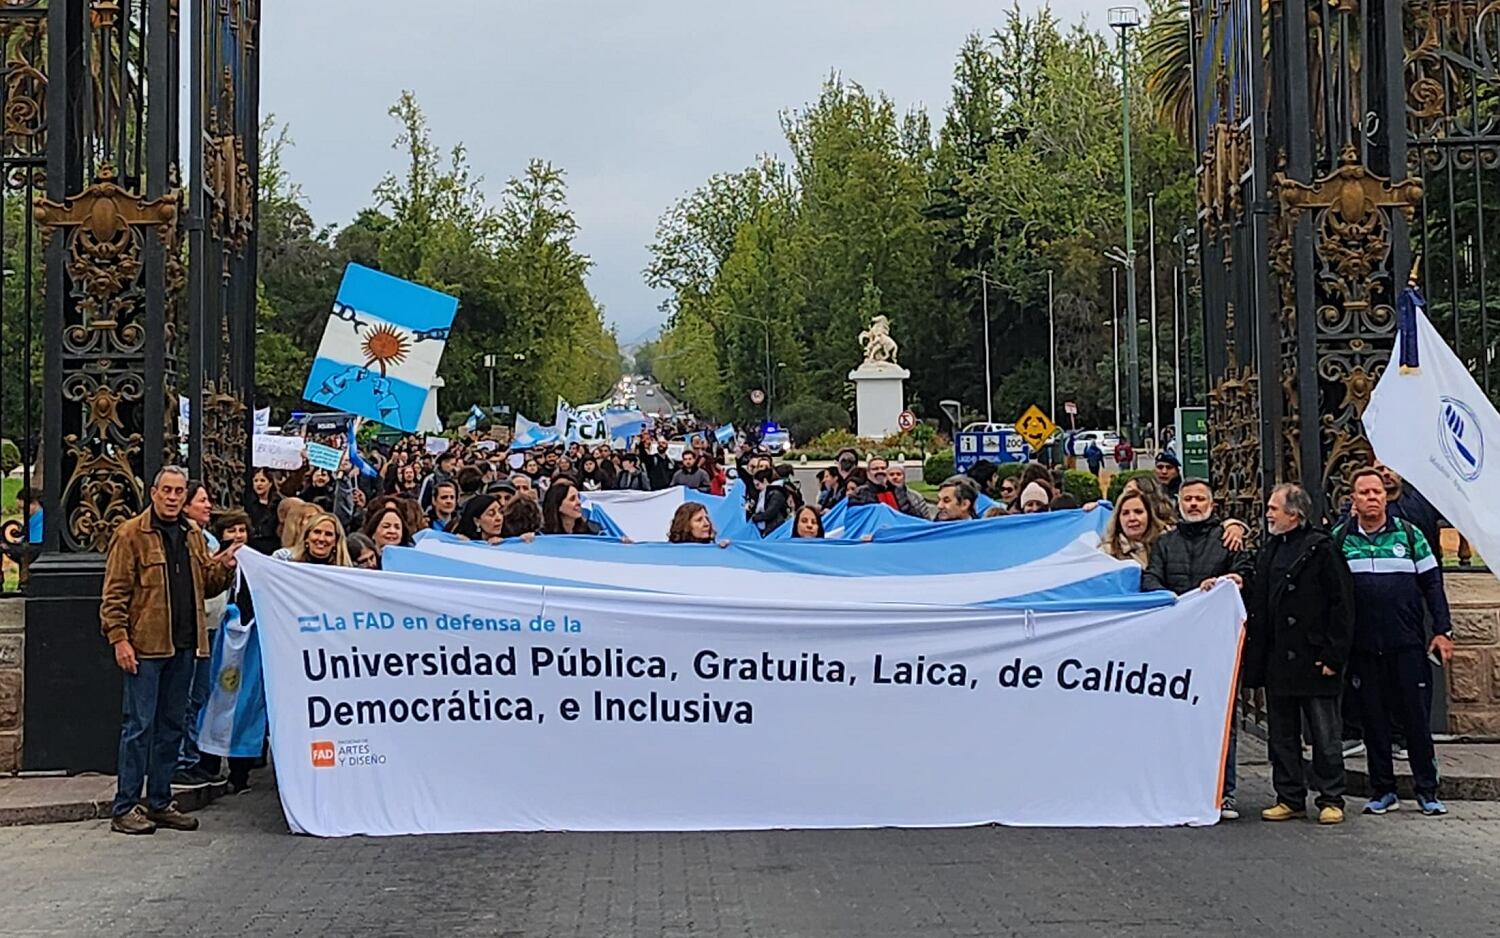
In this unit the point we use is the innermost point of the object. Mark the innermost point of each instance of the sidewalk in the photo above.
(55, 798)
(1466, 772)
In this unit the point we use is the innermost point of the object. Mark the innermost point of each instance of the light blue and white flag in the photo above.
(1431, 422)
(381, 348)
(233, 720)
(1037, 561)
(530, 434)
(475, 415)
(623, 425)
(725, 434)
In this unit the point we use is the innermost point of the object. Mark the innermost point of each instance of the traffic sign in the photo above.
(1070, 408)
(907, 421)
(757, 396)
(1035, 427)
(998, 446)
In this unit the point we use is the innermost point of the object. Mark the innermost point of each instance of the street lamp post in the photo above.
(989, 389)
(489, 362)
(1123, 19)
(1051, 347)
(1115, 284)
(1155, 366)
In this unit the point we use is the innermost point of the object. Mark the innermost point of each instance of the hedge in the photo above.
(938, 467)
(10, 457)
(1082, 485)
(1117, 484)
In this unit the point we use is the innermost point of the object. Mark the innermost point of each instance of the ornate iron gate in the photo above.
(23, 143)
(149, 300)
(1345, 146)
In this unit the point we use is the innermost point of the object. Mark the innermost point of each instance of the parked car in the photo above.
(777, 442)
(1106, 439)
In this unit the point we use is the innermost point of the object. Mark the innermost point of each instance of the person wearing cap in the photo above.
(631, 476)
(1034, 499)
(1168, 473)
(504, 491)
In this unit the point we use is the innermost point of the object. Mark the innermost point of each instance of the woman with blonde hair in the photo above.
(323, 542)
(1132, 529)
(295, 526)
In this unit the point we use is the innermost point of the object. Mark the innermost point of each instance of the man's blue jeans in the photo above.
(151, 715)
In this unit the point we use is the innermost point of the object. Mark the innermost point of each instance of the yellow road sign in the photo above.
(1035, 427)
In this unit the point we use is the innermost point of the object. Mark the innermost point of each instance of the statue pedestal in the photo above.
(879, 398)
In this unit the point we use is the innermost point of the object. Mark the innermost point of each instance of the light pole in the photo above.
(1051, 348)
(1114, 276)
(489, 362)
(1123, 19)
(1155, 367)
(989, 389)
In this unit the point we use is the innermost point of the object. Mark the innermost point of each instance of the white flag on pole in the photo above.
(1434, 426)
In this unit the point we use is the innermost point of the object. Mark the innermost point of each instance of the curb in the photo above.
(1453, 787)
(188, 800)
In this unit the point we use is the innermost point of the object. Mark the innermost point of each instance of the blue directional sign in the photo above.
(998, 446)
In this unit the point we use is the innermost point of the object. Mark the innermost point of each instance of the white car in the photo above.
(1106, 439)
(989, 428)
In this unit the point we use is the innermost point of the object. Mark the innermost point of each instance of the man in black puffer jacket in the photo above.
(1193, 555)
(1190, 557)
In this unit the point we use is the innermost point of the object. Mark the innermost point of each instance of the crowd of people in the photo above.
(1341, 621)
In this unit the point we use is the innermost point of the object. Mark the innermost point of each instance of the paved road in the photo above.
(244, 875)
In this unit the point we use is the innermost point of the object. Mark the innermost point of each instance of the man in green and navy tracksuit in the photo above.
(1395, 577)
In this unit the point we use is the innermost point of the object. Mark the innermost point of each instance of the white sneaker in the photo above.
(1353, 747)
(1400, 755)
(1228, 812)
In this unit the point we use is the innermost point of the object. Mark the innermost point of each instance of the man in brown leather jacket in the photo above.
(156, 574)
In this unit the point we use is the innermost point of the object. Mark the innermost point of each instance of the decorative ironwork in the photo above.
(1234, 409)
(1352, 225)
(104, 249)
(1222, 167)
(104, 488)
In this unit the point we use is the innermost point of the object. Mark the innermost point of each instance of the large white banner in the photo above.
(406, 704)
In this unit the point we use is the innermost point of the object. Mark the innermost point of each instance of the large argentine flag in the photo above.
(381, 348)
(1434, 425)
(1040, 561)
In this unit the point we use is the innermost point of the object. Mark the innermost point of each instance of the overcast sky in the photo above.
(639, 102)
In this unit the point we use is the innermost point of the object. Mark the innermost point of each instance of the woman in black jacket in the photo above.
(261, 505)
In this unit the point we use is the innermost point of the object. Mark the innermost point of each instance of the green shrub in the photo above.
(810, 418)
(10, 457)
(1082, 485)
(938, 467)
(1117, 484)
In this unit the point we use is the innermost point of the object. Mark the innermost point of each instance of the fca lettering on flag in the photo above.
(322, 755)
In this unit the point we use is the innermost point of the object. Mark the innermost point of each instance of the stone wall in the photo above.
(12, 664)
(1474, 673)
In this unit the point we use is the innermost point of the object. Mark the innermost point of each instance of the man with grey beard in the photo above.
(1301, 626)
(1192, 556)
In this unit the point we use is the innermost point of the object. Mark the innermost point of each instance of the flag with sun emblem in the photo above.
(381, 348)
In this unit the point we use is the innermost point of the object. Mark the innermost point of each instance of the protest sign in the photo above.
(324, 457)
(409, 704)
(270, 451)
(381, 348)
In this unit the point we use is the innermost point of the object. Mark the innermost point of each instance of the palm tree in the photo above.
(1167, 57)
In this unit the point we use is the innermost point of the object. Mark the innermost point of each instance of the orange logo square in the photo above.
(322, 755)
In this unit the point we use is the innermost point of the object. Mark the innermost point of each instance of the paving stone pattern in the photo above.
(243, 874)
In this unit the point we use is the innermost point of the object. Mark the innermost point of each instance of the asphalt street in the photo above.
(243, 874)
